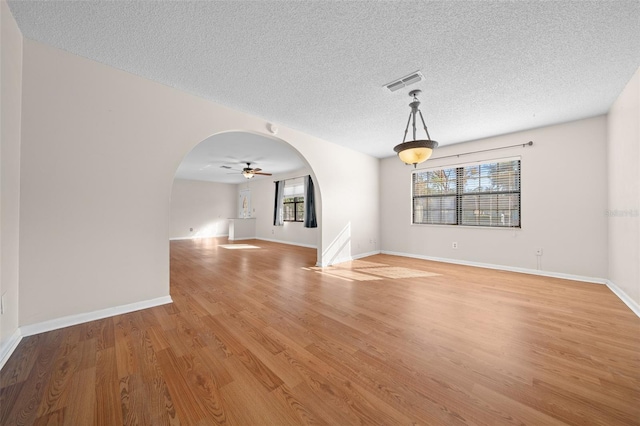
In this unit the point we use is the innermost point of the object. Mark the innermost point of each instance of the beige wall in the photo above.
(10, 101)
(624, 190)
(100, 148)
(204, 207)
(563, 204)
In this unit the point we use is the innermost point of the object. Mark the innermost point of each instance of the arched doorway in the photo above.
(209, 189)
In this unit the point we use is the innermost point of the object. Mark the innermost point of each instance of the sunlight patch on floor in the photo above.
(398, 272)
(360, 270)
(238, 246)
(346, 273)
(357, 264)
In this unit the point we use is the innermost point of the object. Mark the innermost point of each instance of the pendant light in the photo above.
(415, 151)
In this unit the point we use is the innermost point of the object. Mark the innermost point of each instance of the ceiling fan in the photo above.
(249, 172)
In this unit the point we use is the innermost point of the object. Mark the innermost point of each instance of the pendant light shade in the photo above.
(415, 151)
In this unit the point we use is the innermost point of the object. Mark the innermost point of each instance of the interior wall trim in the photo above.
(348, 258)
(54, 324)
(311, 246)
(7, 348)
(29, 330)
(197, 238)
(632, 304)
(592, 280)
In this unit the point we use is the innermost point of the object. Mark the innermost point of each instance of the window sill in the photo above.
(437, 225)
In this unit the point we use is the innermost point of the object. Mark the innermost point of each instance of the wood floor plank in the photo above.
(261, 336)
(108, 403)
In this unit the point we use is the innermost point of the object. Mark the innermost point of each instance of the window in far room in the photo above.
(479, 194)
(293, 203)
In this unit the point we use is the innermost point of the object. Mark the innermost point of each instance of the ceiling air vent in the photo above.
(405, 81)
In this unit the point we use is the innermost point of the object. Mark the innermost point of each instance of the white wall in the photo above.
(624, 190)
(565, 168)
(204, 207)
(100, 148)
(10, 101)
(262, 199)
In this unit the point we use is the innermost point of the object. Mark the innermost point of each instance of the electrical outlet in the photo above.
(539, 252)
(273, 231)
(454, 245)
(2, 304)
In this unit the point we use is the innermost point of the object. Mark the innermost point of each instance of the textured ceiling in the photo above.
(235, 149)
(490, 67)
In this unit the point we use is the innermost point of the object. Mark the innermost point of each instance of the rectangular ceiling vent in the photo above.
(405, 81)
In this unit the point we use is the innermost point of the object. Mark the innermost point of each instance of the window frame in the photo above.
(460, 194)
(297, 200)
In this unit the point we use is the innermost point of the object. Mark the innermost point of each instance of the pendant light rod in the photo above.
(406, 129)
(424, 125)
(417, 150)
(413, 113)
(523, 145)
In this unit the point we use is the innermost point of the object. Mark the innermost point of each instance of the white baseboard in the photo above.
(242, 239)
(632, 304)
(361, 255)
(288, 242)
(561, 275)
(54, 324)
(7, 348)
(197, 238)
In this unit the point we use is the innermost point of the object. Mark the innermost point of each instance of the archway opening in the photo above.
(215, 204)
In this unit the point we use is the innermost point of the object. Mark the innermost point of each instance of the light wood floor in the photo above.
(257, 337)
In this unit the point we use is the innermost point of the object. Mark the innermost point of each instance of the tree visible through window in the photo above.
(293, 209)
(293, 204)
(486, 194)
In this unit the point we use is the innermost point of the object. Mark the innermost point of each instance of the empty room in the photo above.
(320, 212)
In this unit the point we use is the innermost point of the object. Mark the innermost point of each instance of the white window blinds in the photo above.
(485, 194)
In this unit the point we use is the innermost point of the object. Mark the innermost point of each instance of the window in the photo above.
(485, 194)
(293, 209)
(293, 203)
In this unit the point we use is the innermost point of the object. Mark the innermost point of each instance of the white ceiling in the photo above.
(234, 150)
(491, 67)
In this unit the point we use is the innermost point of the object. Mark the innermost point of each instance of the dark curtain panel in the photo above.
(277, 205)
(309, 204)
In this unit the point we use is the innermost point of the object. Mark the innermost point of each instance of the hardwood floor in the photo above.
(258, 336)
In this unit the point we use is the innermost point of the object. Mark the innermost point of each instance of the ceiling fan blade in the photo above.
(257, 169)
(260, 173)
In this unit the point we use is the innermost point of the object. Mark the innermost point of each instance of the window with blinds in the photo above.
(485, 194)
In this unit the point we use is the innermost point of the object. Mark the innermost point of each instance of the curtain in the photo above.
(277, 205)
(309, 204)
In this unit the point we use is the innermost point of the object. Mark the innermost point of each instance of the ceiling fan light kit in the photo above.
(415, 151)
(249, 172)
